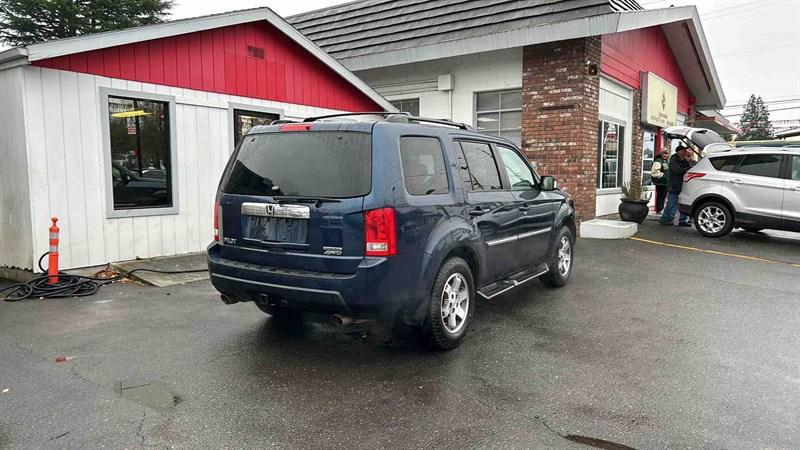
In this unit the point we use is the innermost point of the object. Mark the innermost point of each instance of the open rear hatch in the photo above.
(294, 200)
(707, 141)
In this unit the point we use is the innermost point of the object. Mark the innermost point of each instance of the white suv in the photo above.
(751, 188)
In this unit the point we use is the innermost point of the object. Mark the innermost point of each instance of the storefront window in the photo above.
(140, 153)
(410, 106)
(610, 150)
(244, 120)
(499, 113)
(648, 155)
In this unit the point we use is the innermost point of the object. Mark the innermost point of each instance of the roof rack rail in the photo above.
(446, 122)
(397, 117)
(371, 113)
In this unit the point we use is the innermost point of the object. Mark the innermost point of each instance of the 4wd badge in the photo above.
(332, 251)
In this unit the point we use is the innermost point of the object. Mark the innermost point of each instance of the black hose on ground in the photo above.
(69, 285)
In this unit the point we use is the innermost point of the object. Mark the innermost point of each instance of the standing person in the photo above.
(678, 165)
(659, 173)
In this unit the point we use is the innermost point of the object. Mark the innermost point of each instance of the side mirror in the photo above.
(549, 183)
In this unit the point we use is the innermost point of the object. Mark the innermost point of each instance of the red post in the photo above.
(52, 265)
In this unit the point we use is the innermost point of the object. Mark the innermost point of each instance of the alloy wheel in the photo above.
(564, 256)
(712, 219)
(455, 303)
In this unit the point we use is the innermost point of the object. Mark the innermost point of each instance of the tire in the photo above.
(453, 290)
(713, 219)
(752, 229)
(561, 261)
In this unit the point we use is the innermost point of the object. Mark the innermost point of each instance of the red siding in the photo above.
(217, 61)
(623, 55)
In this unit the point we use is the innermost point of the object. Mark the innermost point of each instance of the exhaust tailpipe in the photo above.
(228, 300)
(342, 320)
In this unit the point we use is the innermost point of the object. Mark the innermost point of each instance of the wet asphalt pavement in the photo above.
(648, 347)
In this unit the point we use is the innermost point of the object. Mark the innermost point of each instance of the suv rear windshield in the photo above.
(304, 164)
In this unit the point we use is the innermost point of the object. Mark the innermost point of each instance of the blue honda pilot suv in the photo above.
(384, 216)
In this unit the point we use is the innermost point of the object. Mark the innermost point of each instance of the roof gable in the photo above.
(187, 53)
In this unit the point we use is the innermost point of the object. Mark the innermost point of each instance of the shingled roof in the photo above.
(376, 26)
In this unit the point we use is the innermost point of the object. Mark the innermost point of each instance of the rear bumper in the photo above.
(685, 209)
(380, 287)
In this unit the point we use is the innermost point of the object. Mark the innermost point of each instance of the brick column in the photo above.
(636, 140)
(560, 116)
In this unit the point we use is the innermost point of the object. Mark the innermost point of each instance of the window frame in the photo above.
(500, 173)
(450, 182)
(789, 161)
(652, 160)
(407, 100)
(620, 151)
(781, 165)
(506, 181)
(233, 107)
(499, 111)
(112, 213)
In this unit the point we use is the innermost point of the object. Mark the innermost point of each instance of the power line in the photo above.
(771, 110)
(724, 12)
(774, 102)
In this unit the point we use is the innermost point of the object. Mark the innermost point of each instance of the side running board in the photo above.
(518, 278)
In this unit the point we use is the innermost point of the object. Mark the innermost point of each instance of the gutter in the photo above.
(13, 57)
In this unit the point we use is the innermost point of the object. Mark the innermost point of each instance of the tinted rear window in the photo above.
(725, 163)
(314, 164)
(423, 166)
(761, 165)
(481, 169)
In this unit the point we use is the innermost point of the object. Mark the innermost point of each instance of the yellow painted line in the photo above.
(715, 252)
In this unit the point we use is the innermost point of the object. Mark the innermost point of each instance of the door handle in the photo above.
(797, 188)
(736, 181)
(476, 212)
(524, 208)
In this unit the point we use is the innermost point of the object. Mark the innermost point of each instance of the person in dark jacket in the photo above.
(659, 173)
(679, 164)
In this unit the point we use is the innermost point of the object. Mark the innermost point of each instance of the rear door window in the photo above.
(423, 165)
(480, 171)
(760, 166)
(303, 164)
(795, 169)
(725, 163)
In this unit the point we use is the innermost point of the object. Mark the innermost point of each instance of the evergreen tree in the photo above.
(24, 22)
(755, 122)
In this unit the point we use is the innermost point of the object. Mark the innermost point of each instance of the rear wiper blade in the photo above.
(316, 200)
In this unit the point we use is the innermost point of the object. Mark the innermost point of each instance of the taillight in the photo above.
(381, 232)
(217, 210)
(689, 176)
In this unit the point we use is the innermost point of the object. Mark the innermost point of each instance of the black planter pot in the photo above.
(633, 210)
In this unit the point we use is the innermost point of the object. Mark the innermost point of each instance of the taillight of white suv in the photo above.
(689, 176)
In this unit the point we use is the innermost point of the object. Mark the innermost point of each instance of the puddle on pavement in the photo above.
(153, 394)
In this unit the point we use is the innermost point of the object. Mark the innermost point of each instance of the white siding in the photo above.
(473, 73)
(63, 125)
(15, 214)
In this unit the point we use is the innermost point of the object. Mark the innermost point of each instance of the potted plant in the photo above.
(633, 204)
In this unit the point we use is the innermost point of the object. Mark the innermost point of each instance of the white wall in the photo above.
(67, 172)
(15, 216)
(473, 73)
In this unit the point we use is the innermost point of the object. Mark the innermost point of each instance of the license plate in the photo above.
(275, 223)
